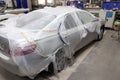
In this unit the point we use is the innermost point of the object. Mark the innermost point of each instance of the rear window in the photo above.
(35, 20)
(69, 22)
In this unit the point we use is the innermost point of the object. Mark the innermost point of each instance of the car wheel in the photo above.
(100, 36)
(51, 68)
(59, 64)
(60, 60)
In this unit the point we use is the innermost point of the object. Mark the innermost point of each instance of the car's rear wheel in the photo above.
(60, 62)
(51, 68)
(100, 36)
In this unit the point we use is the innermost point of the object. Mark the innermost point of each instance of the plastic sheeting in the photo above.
(36, 37)
(6, 16)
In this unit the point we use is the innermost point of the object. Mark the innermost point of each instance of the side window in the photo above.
(85, 17)
(69, 22)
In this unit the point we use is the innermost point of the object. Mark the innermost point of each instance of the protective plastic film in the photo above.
(72, 32)
(6, 16)
(36, 39)
(28, 56)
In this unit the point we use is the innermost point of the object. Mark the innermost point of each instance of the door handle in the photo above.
(95, 20)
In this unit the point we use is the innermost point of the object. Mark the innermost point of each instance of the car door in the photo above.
(69, 32)
(89, 25)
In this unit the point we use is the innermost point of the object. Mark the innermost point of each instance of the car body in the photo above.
(30, 43)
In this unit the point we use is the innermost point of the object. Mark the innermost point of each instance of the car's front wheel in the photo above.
(100, 36)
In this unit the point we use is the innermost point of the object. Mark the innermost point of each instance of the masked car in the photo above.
(45, 39)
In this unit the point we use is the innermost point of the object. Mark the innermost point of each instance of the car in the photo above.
(45, 39)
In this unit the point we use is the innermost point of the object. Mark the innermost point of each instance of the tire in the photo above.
(51, 68)
(100, 36)
(60, 60)
(59, 64)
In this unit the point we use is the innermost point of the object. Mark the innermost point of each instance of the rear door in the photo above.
(69, 31)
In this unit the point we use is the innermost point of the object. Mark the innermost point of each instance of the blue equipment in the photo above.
(111, 5)
(22, 3)
(2, 3)
(78, 4)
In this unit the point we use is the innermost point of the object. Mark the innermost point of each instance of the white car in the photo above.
(44, 39)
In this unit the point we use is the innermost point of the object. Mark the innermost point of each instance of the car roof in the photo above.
(60, 10)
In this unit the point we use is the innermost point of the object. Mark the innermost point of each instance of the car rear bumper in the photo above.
(8, 64)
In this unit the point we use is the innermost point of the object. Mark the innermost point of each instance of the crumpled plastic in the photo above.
(7, 16)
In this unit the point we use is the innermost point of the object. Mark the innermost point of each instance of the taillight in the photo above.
(18, 51)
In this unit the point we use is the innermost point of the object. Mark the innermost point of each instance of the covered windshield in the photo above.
(34, 20)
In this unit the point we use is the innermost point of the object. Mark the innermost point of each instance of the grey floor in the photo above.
(102, 62)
